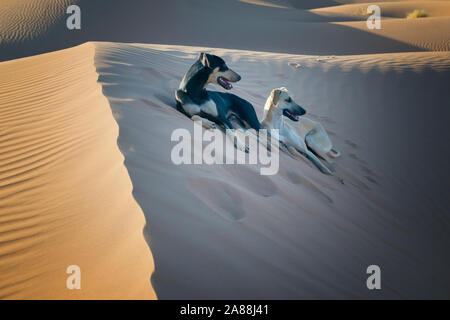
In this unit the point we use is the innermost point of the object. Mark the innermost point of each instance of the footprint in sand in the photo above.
(353, 156)
(294, 65)
(252, 181)
(221, 197)
(370, 175)
(295, 178)
(351, 144)
(370, 179)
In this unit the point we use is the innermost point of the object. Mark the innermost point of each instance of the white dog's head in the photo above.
(280, 101)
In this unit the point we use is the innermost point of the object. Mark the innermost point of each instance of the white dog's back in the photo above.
(315, 136)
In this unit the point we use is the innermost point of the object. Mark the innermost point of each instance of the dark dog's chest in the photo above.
(214, 105)
(209, 107)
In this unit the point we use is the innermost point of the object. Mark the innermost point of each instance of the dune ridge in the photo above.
(65, 197)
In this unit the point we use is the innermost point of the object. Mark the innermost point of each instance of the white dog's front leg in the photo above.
(312, 157)
(294, 152)
(293, 143)
(284, 145)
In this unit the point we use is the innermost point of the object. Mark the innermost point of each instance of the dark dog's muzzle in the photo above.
(226, 77)
(232, 76)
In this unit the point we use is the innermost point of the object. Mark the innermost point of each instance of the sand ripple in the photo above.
(65, 197)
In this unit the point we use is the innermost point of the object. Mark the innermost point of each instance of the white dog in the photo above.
(297, 134)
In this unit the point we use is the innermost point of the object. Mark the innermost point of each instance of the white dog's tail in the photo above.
(333, 153)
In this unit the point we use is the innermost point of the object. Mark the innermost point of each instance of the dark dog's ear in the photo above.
(275, 96)
(204, 59)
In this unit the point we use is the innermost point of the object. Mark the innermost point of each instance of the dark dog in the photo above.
(213, 107)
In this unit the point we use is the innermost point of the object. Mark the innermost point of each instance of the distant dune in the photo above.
(282, 26)
(23, 20)
(394, 9)
(86, 176)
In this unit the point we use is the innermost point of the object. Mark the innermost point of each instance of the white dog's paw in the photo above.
(325, 170)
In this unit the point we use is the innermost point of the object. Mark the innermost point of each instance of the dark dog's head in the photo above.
(220, 73)
(280, 100)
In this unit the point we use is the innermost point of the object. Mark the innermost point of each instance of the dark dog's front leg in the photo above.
(231, 133)
(247, 114)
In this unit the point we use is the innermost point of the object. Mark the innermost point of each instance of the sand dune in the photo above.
(430, 34)
(398, 9)
(65, 197)
(285, 27)
(86, 174)
(297, 234)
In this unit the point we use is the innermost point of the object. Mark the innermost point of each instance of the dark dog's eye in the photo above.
(288, 99)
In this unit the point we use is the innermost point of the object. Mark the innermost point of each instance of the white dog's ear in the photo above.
(204, 59)
(275, 96)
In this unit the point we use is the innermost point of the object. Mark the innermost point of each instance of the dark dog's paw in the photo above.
(242, 147)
